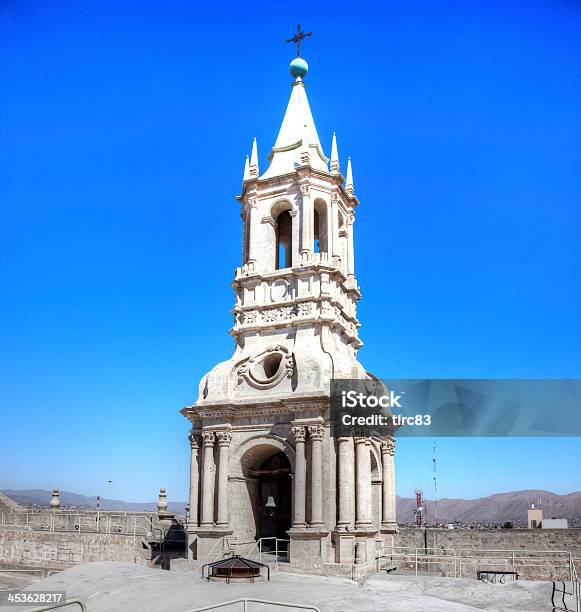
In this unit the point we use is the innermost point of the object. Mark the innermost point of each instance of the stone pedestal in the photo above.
(307, 547)
(366, 545)
(344, 547)
(206, 542)
(387, 535)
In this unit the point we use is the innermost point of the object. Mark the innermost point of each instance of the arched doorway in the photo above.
(262, 468)
(273, 509)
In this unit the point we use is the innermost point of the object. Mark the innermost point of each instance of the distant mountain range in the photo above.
(497, 508)
(41, 498)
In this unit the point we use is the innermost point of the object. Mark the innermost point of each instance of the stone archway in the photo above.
(262, 468)
(273, 490)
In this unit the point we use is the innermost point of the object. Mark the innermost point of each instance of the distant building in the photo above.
(535, 517)
(555, 523)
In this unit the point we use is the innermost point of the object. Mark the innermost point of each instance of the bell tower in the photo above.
(295, 329)
(297, 278)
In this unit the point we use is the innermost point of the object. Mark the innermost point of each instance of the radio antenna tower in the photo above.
(419, 509)
(435, 475)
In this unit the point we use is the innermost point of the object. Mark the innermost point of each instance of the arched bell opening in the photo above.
(284, 240)
(268, 474)
(320, 229)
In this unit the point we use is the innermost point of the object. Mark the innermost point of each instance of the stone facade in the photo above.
(264, 458)
(61, 550)
(542, 551)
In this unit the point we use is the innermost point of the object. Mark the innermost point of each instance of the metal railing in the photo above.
(70, 602)
(457, 562)
(418, 557)
(576, 583)
(214, 554)
(247, 600)
(106, 522)
(264, 553)
(551, 561)
(41, 572)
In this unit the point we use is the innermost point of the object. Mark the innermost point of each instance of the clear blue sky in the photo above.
(123, 131)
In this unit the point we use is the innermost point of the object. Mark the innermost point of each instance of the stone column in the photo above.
(363, 483)
(388, 483)
(346, 482)
(194, 478)
(224, 438)
(306, 223)
(243, 216)
(350, 248)
(300, 477)
(252, 237)
(334, 247)
(316, 432)
(208, 480)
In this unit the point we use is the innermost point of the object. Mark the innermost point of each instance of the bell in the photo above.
(270, 506)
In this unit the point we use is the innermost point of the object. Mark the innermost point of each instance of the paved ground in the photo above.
(117, 587)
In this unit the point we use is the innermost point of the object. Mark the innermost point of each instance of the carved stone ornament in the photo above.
(208, 438)
(317, 432)
(388, 446)
(299, 433)
(304, 308)
(194, 441)
(250, 316)
(268, 368)
(279, 290)
(224, 438)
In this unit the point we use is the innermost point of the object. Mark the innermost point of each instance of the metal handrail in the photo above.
(19, 571)
(256, 548)
(206, 559)
(48, 520)
(484, 557)
(276, 541)
(70, 602)
(424, 557)
(575, 582)
(246, 600)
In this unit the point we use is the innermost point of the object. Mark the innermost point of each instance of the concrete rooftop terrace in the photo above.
(117, 587)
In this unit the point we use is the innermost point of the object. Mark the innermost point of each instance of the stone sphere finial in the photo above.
(298, 67)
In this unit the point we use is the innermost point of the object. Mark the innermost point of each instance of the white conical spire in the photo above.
(297, 139)
(349, 179)
(334, 156)
(254, 160)
(246, 170)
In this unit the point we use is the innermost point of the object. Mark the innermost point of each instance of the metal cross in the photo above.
(298, 37)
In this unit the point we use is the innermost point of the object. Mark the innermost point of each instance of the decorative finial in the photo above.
(334, 156)
(162, 501)
(253, 170)
(349, 179)
(246, 170)
(298, 67)
(298, 37)
(55, 501)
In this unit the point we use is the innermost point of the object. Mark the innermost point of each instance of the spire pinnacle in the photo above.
(254, 160)
(246, 170)
(334, 156)
(349, 180)
(297, 143)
